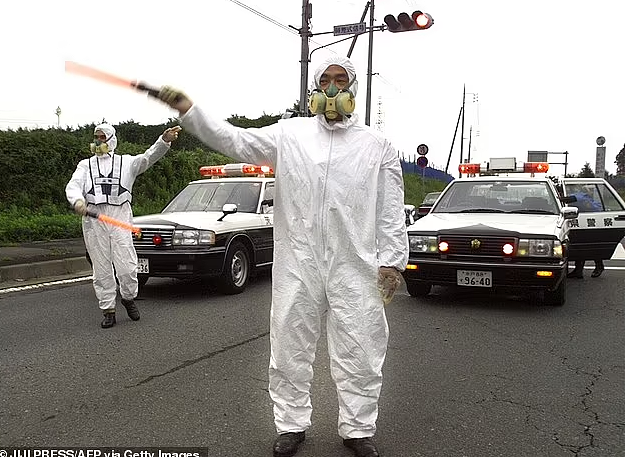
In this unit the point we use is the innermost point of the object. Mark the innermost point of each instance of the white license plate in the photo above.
(143, 266)
(474, 278)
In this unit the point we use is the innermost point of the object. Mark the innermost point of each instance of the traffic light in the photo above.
(405, 23)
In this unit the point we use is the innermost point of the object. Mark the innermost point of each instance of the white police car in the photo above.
(219, 228)
(493, 232)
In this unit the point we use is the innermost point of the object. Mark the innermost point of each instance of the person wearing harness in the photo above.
(340, 237)
(103, 183)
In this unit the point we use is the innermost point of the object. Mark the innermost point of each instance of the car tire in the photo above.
(237, 269)
(418, 288)
(556, 297)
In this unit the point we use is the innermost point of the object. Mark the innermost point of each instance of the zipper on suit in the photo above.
(323, 199)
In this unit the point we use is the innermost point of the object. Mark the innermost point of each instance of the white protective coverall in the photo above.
(339, 194)
(110, 245)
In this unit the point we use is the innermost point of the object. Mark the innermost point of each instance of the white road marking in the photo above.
(45, 284)
(619, 253)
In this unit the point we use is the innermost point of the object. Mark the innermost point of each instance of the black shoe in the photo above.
(577, 274)
(131, 309)
(109, 320)
(287, 444)
(597, 272)
(362, 447)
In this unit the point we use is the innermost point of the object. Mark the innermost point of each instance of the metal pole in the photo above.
(464, 87)
(370, 64)
(453, 140)
(305, 34)
(469, 153)
(362, 19)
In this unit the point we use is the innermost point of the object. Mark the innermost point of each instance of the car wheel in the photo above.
(556, 297)
(418, 288)
(237, 269)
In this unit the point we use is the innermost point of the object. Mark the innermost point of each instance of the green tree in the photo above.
(620, 162)
(586, 172)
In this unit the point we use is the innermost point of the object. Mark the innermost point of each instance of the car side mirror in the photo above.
(568, 199)
(228, 208)
(269, 202)
(569, 212)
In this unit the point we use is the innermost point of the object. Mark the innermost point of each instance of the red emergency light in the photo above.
(469, 168)
(218, 170)
(235, 169)
(535, 167)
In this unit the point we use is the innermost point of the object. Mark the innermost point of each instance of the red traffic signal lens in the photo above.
(422, 20)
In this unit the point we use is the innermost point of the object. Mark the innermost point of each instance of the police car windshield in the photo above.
(528, 197)
(214, 194)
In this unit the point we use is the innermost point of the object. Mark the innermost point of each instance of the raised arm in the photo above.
(253, 145)
(144, 161)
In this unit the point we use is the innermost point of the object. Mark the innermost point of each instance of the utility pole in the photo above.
(370, 64)
(453, 139)
(305, 34)
(464, 88)
(470, 135)
(362, 19)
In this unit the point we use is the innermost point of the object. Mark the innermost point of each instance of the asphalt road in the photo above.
(467, 374)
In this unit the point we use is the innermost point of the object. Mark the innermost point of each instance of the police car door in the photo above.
(600, 225)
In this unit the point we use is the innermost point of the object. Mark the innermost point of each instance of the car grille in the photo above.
(477, 246)
(146, 241)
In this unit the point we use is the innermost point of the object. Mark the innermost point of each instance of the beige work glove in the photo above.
(175, 98)
(80, 207)
(389, 280)
(171, 134)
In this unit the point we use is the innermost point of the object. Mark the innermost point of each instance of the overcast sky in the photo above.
(548, 73)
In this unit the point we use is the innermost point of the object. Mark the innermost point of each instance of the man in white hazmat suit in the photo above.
(103, 183)
(339, 240)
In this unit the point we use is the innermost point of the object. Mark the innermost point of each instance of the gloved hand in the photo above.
(175, 98)
(171, 134)
(80, 207)
(389, 280)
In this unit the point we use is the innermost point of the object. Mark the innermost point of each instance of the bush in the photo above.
(20, 228)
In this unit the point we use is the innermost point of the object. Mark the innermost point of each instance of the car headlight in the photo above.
(539, 248)
(421, 243)
(193, 238)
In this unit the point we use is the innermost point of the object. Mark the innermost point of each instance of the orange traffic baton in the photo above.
(112, 221)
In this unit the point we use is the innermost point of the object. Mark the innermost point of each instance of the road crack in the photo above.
(190, 362)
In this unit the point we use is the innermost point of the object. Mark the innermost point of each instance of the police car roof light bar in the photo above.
(469, 168)
(235, 169)
(535, 167)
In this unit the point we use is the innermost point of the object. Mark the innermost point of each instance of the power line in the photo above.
(264, 16)
(273, 21)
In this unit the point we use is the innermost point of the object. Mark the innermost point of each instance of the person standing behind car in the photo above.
(585, 203)
(103, 183)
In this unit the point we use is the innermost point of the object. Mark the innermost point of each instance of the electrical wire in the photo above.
(273, 21)
(264, 16)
